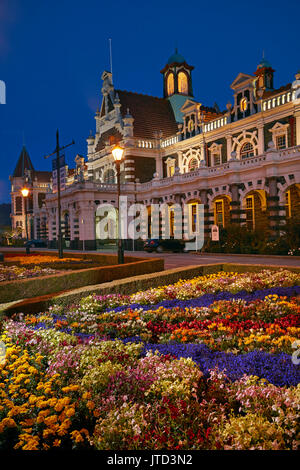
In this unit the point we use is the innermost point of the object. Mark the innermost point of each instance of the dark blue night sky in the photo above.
(52, 54)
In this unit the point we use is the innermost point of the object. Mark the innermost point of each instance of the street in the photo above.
(175, 260)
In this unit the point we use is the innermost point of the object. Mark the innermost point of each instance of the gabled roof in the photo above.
(111, 137)
(241, 79)
(24, 163)
(151, 114)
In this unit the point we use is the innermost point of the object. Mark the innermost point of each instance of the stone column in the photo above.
(273, 208)
(178, 218)
(129, 169)
(159, 165)
(297, 116)
(261, 139)
(207, 214)
(229, 146)
(235, 209)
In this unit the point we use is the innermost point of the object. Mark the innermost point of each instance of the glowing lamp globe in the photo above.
(25, 192)
(117, 152)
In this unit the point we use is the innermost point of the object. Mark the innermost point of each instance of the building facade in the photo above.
(242, 163)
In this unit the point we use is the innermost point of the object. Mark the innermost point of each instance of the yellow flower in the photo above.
(70, 412)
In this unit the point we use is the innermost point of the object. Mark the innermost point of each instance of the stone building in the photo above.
(241, 163)
(23, 210)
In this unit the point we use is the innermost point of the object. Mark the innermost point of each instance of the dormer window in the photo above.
(243, 105)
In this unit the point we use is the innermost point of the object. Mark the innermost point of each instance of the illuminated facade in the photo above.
(242, 163)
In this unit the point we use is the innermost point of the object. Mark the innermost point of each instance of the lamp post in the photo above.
(118, 152)
(58, 166)
(25, 194)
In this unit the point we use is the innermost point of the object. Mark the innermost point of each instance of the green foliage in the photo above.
(238, 239)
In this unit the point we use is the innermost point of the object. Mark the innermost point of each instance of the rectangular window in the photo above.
(281, 142)
(193, 217)
(288, 207)
(219, 213)
(171, 170)
(250, 212)
(171, 221)
(216, 159)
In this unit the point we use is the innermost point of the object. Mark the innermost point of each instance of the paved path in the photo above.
(176, 260)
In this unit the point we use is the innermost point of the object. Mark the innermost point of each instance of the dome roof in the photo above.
(264, 63)
(176, 57)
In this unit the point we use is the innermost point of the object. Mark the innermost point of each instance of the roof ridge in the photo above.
(141, 94)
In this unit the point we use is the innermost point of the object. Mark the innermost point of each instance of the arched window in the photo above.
(246, 150)
(193, 164)
(170, 84)
(109, 176)
(183, 83)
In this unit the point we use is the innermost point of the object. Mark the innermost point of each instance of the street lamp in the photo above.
(118, 152)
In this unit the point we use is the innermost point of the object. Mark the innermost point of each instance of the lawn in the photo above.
(207, 363)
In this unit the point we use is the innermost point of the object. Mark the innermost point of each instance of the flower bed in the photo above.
(128, 372)
(12, 273)
(47, 261)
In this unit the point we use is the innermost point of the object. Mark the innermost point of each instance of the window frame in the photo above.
(250, 210)
(288, 205)
(247, 142)
(222, 212)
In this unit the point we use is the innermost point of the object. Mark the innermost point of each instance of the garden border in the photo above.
(134, 284)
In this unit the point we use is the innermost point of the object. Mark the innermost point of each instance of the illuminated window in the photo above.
(170, 84)
(191, 125)
(280, 142)
(182, 83)
(193, 217)
(193, 164)
(243, 104)
(170, 167)
(250, 212)
(219, 213)
(247, 150)
(288, 206)
(171, 170)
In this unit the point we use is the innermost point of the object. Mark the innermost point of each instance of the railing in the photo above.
(278, 100)
(215, 124)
